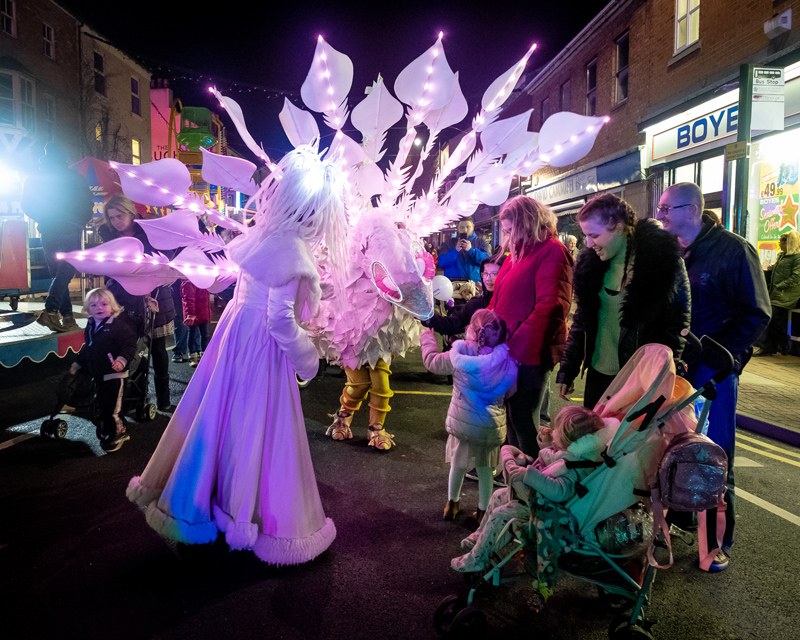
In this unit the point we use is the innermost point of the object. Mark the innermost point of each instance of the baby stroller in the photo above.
(77, 391)
(621, 524)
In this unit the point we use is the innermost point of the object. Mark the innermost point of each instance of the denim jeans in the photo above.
(181, 330)
(61, 271)
(721, 428)
(198, 337)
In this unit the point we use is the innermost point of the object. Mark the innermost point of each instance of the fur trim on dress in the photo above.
(179, 530)
(238, 535)
(295, 550)
(139, 494)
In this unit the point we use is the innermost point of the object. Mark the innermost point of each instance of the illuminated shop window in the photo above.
(711, 171)
(687, 23)
(136, 152)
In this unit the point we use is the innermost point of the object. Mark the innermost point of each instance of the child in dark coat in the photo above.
(109, 347)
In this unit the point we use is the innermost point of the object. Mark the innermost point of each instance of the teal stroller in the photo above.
(619, 507)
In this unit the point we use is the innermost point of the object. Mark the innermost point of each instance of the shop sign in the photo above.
(702, 130)
(575, 186)
(768, 99)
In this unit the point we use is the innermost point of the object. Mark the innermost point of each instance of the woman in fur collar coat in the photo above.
(631, 289)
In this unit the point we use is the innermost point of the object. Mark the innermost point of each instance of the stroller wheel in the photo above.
(469, 623)
(622, 629)
(148, 412)
(60, 429)
(44, 430)
(446, 612)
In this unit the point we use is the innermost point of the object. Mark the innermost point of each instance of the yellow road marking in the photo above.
(13, 441)
(425, 393)
(768, 454)
(768, 446)
(782, 513)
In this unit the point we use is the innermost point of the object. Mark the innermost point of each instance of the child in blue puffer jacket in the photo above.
(483, 375)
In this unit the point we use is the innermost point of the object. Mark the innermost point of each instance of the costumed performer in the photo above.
(235, 456)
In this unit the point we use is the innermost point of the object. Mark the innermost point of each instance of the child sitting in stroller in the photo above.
(536, 487)
(110, 345)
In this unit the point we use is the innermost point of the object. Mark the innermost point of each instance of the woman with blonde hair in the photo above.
(532, 295)
(784, 292)
(120, 221)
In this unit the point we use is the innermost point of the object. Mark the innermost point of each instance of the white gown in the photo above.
(235, 455)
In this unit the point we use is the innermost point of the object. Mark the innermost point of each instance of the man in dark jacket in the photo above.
(462, 259)
(730, 304)
(60, 202)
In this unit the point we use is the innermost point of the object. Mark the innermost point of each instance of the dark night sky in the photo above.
(270, 45)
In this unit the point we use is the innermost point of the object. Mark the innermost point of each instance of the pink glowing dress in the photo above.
(235, 456)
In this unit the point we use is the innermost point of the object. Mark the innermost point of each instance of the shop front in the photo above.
(690, 147)
(566, 195)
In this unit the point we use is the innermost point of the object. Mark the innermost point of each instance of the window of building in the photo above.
(135, 108)
(8, 18)
(6, 98)
(27, 110)
(711, 172)
(621, 90)
(591, 88)
(99, 74)
(48, 41)
(685, 173)
(98, 132)
(136, 152)
(687, 23)
(50, 118)
(546, 109)
(566, 95)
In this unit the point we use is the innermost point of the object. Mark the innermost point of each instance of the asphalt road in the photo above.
(77, 560)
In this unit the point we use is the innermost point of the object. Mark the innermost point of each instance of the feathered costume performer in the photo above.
(388, 284)
(234, 459)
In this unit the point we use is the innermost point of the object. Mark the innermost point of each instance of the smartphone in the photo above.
(462, 236)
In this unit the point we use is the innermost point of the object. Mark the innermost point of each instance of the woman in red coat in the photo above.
(532, 293)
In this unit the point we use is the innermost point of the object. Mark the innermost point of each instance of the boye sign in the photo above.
(702, 130)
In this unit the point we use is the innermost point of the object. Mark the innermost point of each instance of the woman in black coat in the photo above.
(631, 289)
(119, 214)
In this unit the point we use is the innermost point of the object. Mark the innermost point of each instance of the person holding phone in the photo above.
(462, 258)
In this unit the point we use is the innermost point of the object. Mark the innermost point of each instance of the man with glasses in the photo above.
(730, 304)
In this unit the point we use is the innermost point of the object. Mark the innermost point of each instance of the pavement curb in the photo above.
(776, 431)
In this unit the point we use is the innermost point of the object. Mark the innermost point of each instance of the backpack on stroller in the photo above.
(78, 391)
(615, 505)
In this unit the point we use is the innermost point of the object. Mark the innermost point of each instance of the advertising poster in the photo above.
(779, 202)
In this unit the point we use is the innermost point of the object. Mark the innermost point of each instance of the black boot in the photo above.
(162, 393)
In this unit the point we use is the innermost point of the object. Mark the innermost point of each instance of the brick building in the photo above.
(62, 81)
(667, 72)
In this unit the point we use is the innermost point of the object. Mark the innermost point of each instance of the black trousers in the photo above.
(110, 394)
(62, 272)
(524, 408)
(596, 385)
